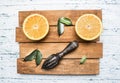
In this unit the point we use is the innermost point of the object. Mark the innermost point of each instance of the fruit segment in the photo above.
(88, 27)
(35, 27)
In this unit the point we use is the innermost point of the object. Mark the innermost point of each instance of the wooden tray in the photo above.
(52, 43)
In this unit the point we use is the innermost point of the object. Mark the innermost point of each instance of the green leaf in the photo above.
(38, 58)
(31, 56)
(61, 22)
(60, 28)
(83, 59)
(65, 21)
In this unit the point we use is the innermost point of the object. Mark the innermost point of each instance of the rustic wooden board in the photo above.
(66, 66)
(53, 15)
(91, 50)
(68, 35)
(52, 43)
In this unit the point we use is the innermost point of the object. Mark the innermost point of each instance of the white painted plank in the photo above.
(8, 35)
(35, 2)
(111, 45)
(57, 81)
(108, 71)
(9, 19)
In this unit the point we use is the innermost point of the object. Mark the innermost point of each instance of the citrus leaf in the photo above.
(38, 58)
(31, 56)
(65, 21)
(60, 28)
(83, 59)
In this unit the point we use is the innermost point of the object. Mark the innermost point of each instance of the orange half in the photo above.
(35, 27)
(88, 27)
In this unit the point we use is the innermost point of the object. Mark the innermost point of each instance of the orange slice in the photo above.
(88, 27)
(35, 27)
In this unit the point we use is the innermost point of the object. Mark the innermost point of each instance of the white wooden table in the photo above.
(9, 50)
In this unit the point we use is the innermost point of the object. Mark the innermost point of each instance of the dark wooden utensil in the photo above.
(53, 60)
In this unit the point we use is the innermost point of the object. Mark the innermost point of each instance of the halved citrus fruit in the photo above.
(35, 26)
(88, 27)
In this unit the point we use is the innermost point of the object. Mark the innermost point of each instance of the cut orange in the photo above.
(88, 27)
(35, 26)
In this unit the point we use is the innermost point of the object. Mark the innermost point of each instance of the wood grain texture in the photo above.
(91, 50)
(53, 15)
(68, 35)
(91, 66)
